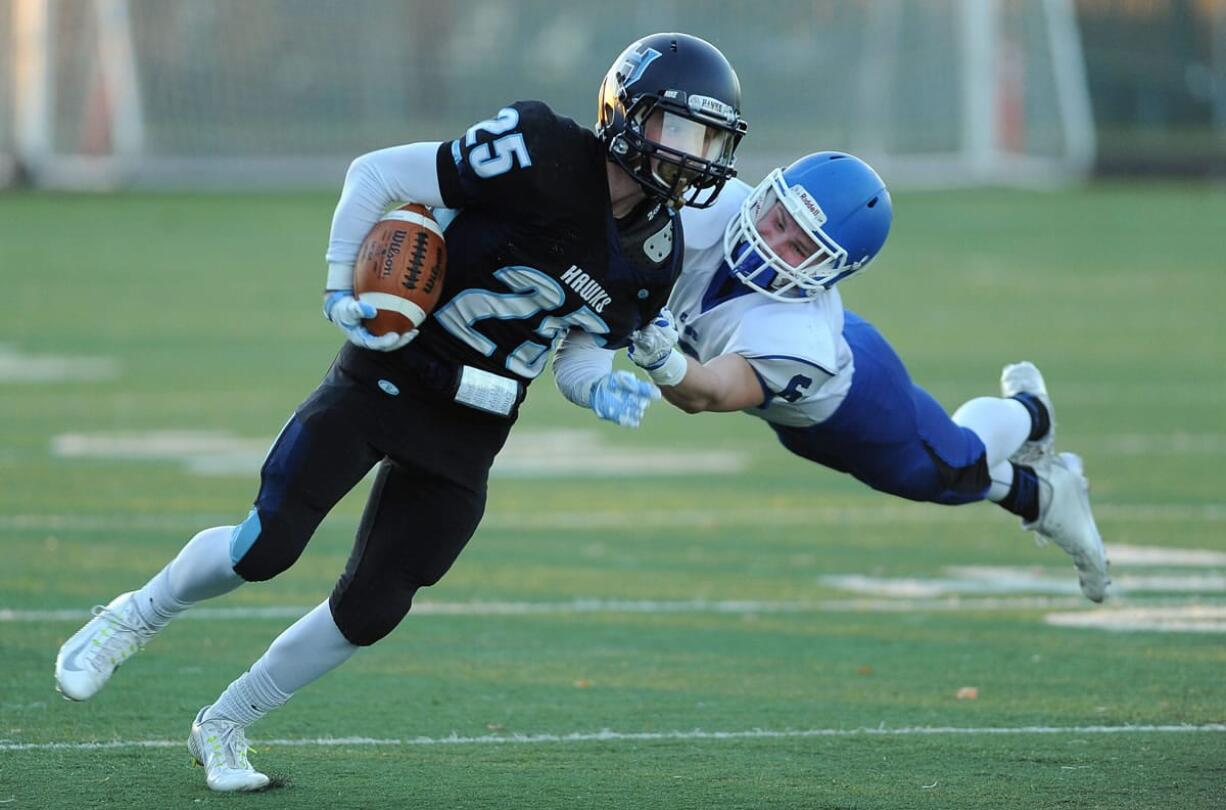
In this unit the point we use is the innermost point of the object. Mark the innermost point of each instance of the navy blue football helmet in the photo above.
(843, 211)
(669, 114)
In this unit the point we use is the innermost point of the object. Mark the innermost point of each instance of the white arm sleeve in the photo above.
(374, 182)
(577, 364)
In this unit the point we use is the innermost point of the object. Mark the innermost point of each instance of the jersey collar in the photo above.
(723, 287)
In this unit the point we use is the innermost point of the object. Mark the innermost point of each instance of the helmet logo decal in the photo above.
(810, 204)
(635, 64)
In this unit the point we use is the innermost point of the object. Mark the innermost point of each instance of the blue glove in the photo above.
(622, 397)
(651, 345)
(347, 312)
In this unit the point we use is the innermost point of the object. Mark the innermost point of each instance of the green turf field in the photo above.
(728, 628)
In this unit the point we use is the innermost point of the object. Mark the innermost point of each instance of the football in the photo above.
(400, 269)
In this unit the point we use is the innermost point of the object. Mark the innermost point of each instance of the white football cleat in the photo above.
(87, 660)
(221, 747)
(1024, 377)
(1065, 518)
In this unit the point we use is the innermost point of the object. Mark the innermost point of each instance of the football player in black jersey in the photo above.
(551, 229)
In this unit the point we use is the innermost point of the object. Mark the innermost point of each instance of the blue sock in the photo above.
(1023, 497)
(1040, 419)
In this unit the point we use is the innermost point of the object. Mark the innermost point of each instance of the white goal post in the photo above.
(1020, 78)
(991, 93)
(282, 93)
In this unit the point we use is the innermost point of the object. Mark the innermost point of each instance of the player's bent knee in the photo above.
(969, 412)
(261, 549)
(960, 484)
(364, 618)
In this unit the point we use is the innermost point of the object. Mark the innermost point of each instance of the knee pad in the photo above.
(961, 484)
(367, 613)
(261, 548)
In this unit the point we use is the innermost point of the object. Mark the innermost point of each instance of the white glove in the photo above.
(652, 349)
(649, 346)
(621, 397)
(347, 312)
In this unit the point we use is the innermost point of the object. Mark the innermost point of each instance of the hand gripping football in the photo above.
(400, 269)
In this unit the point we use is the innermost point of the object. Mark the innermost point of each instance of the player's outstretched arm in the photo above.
(726, 383)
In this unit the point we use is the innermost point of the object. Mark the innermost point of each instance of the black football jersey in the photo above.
(534, 249)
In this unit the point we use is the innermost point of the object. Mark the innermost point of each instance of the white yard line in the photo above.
(1149, 444)
(528, 454)
(999, 580)
(1166, 619)
(605, 606)
(1130, 555)
(17, 367)
(645, 736)
(642, 519)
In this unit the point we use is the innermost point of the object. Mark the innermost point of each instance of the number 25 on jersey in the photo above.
(534, 293)
(498, 156)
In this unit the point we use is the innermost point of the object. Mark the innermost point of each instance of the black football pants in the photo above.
(434, 457)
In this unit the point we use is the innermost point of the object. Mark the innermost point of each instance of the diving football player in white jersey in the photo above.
(757, 325)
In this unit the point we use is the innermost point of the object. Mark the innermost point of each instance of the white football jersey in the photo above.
(796, 349)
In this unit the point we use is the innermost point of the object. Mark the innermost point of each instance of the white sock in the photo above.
(1003, 425)
(308, 649)
(1002, 481)
(201, 570)
(252, 695)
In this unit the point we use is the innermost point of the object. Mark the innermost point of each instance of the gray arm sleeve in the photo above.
(374, 182)
(577, 364)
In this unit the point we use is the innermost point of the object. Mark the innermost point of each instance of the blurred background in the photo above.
(1059, 167)
(282, 93)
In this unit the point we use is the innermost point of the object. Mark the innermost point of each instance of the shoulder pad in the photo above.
(803, 333)
(537, 117)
